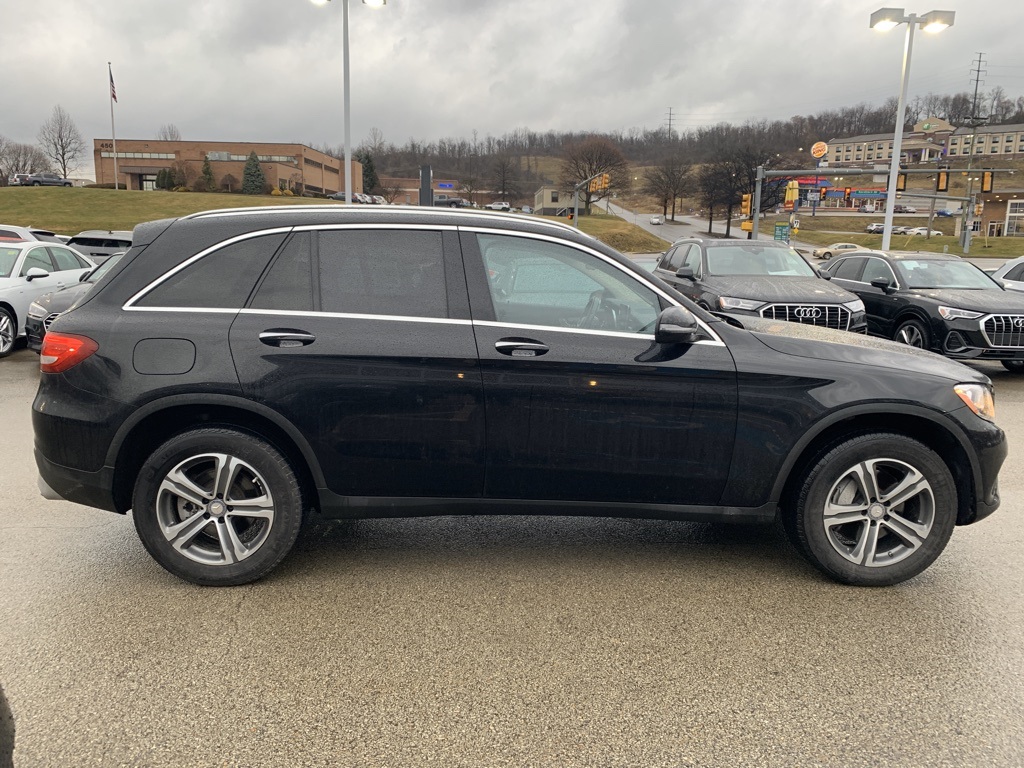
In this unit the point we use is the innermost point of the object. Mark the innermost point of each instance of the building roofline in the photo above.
(219, 141)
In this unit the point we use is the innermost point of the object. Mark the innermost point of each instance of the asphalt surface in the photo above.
(503, 642)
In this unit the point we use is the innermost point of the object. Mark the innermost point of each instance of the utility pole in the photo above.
(670, 133)
(974, 121)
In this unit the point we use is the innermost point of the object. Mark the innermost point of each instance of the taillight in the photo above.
(63, 350)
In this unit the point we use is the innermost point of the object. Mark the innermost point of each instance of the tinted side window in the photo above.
(540, 283)
(289, 283)
(221, 279)
(10, 234)
(86, 242)
(693, 259)
(1015, 273)
(849, 269)
(64, 259)
(668, 258)
(37, 257)
(875, 269)
(383, 272)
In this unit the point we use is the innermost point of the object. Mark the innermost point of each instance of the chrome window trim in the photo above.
(354, 316)
(375, 225)
(130, 304)
(205, 310)
(715, 339)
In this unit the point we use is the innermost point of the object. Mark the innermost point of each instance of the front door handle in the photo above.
(520, 347)
(286, 337)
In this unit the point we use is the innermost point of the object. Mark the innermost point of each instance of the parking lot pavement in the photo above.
(504, 642)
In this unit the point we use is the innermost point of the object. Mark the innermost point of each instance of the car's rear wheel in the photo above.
(874, 510)
(217, 507)
(826, 255)
(67, 184)
(913, 333)
(1014, 366)
(8, 332)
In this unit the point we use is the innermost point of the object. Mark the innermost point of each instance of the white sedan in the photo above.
(27, 271)
(657, 219)
(828, 251)
(922, 231)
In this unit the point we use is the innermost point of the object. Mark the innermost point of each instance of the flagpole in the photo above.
(113, 133)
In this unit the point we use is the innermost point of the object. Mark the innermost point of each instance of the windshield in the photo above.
(7, 258)
(103, 268)
(944, 274)
(757, 260)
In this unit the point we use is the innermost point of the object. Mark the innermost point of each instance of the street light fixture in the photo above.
(885, 19)
(345, 68)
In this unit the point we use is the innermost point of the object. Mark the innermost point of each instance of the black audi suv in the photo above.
(240, 371)
(760, 278)
(936, 302)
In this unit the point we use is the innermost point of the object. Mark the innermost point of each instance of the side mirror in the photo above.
(685, 272)
(676, 325)
(35, 272)
(85, 276)
(824, 275)
(882, 284)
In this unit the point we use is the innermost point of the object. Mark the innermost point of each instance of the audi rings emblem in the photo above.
(807, 313)
(1018, 322)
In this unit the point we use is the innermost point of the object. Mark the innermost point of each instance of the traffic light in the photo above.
(745, 205)
(593, 186)
(605, 181)
(901, 182)
(942, 181)
(986, 181)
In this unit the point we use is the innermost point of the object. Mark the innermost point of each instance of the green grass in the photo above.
(855, 224)
(996, 246)
(68, 211)
(618, 233)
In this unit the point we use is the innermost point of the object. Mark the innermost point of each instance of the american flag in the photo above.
(113, 90)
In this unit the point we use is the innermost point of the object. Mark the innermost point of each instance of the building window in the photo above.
(554, 197)
(954, 141)
(952, 151)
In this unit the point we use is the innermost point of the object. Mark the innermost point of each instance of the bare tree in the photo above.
(469, 186)
(374, 142)
(61, 141)
(668, 182)
(390, 191)
(591, 156)
(505, 177)
(168, 132)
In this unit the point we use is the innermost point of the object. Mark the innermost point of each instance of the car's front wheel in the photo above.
(1014, 366)
(8, 332)
(874, 510)
(912, 333)
(217, 507)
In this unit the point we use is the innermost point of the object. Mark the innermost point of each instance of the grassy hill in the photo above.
(68, 211)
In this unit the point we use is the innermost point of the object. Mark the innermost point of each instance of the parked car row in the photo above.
(359, 198)
(42, 179)
(878, 227)
(353, 361)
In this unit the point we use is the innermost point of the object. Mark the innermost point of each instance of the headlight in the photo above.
(727, 302)
(978, 398)
(36, 310)
(855, 306)
(952, 313)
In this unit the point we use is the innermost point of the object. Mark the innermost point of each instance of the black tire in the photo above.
(899, 539)
(1013, 366)
(8, 331)
(231, 548)
(67, 185)
(913, 333)
(36, 184)
(826, 255)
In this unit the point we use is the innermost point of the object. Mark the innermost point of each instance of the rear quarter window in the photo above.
(221, 279)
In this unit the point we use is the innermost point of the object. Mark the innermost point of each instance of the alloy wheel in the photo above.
(879, 512)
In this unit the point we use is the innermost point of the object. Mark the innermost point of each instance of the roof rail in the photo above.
(380, 210)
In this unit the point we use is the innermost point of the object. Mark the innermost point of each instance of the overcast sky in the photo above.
(271, 70)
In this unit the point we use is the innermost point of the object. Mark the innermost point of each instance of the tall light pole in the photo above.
(883, 20)
(345, 76)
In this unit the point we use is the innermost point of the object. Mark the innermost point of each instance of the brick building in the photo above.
(286, 166)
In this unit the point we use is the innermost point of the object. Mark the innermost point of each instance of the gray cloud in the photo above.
(271, 69)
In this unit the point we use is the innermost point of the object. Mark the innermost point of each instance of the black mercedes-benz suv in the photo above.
(239, 369)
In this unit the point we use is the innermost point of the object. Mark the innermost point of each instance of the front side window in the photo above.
(383, 272)
(877, 269)
(37, 257)
(535, 282)
(222, 279)
(65, 259)
(848, 269)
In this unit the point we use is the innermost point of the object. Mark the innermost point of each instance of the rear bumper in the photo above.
(93, 489)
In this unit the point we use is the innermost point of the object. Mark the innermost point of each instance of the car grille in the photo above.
(824, 315)
(1004, 330)
(48, 320)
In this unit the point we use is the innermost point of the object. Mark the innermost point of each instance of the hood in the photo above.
(992, 300)
(789, 290)
(818, 343)
(61, 301)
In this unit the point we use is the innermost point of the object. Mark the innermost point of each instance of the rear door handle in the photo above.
(286, 337)
(520, 347)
